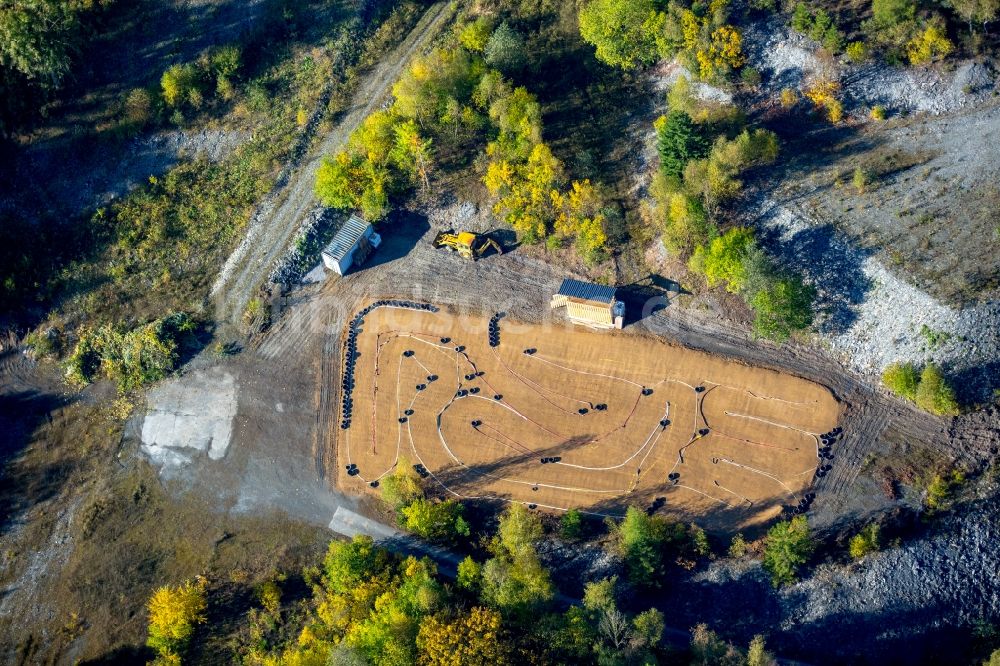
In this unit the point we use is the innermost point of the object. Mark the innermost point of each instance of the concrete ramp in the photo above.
(350, 524)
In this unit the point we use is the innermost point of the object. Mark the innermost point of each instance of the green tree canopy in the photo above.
(890, 13)
(902, 379)
(789, 545)
(505, 49)
(782, 307)
(934, 394)
(678, 142)
(624, 32)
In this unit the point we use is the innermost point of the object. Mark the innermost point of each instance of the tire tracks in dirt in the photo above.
(277, 218)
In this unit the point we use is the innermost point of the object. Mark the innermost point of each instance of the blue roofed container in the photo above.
(590, 304)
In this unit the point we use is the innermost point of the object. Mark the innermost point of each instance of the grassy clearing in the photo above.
(126, 535)
(157, 249)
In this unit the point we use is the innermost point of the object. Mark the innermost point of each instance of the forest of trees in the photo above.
(460, 99)
(370, 606)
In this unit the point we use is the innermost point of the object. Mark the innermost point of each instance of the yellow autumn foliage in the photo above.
(173, 614)
(472, 639)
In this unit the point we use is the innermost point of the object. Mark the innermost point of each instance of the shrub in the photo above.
(475, 34)
(788, 546)
(750, 76)
(902, 379)
(857, 52)
(823, 95)
(571, 524)
(781, 306)
(402, 486)
(678, 141)
(699, 541)
(177, 84)
(788, 98)
(738, 546)
(860, 180)
(173, 614)
(434, 521)
(890, 13)
(505, 49)
(933, 393)
(941, 489)
(138, 110)
(864, 542)
(834, 111)
(129, 357)
(928, 46)
(878, 112)
(256, 315)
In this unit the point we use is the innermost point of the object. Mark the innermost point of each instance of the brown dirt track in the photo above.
(760, 452)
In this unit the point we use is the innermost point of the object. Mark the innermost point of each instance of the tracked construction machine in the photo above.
(467, 244)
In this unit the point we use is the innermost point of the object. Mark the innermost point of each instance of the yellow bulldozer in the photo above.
(468, 245)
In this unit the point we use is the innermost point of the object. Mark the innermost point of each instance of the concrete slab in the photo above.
(190, 416)
(350, 524)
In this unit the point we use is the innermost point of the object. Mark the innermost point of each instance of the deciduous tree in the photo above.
(624, 32)
(788, 547)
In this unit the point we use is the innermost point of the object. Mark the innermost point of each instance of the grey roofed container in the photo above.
(351, 245)
(587, 291)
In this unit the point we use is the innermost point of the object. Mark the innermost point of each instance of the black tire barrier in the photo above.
(555, 459)
(461, 394)
(421, 387)
(545, 461)
(408, 353)
(445, 341)
(469, 378)
(476, 423)
(699, 389)
(664, 423)
(408, 412)
(460, 348)
(582, 411)
(402, 419)
(532, 506)
(432, 378)
(351, 345)
(530, 351)
(474, 390)
(353, 472)
(601, 407)
(703, 431)
(494, 329)
(647, 391)
(498, 397)
(373, 484)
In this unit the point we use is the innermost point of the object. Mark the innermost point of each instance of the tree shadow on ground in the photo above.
(831, 263)
(977, 385)
(456, 475)
(21, 413)
(648, 296)
(400, 234)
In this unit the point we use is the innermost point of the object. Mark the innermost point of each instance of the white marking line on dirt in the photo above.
(790, 402)
(774, 423)
(728, 461)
